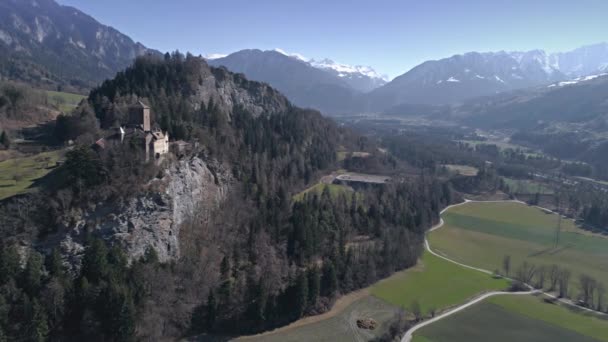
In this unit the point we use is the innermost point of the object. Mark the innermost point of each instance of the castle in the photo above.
(156, 143)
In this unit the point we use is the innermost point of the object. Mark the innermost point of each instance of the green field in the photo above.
(18, 174)
(464, 170)
(341, 327)
(65, 102)
(481, 234)
(526, 186)
(335, 190)
(520, 318)
(435, 284)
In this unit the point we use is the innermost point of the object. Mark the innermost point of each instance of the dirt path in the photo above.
(341, 304)
(408, 335)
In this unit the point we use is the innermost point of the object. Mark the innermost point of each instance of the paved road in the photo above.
(408, 334)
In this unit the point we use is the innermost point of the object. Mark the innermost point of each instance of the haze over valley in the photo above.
(347, 172)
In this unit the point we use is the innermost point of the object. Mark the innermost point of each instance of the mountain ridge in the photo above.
(51, 45)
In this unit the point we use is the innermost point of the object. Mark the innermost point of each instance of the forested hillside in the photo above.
(256, 261)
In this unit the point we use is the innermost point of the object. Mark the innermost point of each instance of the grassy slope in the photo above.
(525, 186)
(437, 284)
(18, 174)
(335, 190)
(481, 234)
(521, 318)
(66, 101)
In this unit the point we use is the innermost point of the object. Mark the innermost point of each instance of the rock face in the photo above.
(152, 220)
(229, 90)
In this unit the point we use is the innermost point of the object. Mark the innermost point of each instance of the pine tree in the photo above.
(314, 285)
(55, 264)
(32, 275)
(9, 264)
(95, 261)
(4, 140)
(211, 311)
(329, 280)
(38, 329)
(301, 300)
(226, 286)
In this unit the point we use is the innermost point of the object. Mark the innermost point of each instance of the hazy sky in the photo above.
(391, 36)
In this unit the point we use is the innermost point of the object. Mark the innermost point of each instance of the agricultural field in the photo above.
(335, 190)
(339, 327)
(435, 284)
(482, 234)
(341, 155)
(516, 318)
(526, 186)
(18, 174)
(463, 170)
(65, 102)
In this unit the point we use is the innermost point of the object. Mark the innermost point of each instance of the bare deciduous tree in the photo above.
(564, 279)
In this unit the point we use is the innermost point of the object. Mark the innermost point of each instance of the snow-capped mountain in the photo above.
(583, 61)
(362, 78)
(324, 84)
(459, 77)
(294, 76)
(358, 77)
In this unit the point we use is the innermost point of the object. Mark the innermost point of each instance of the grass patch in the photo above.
(437, 284)
(490, 320)
(481, 234)
(18, 174)
(588, 324)
(526, 186)
(335, 190)
(65, 102)
(342, 327)
(464, 170)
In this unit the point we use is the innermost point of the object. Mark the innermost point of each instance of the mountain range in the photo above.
(50, 45)
(54, 46)
(342, 88)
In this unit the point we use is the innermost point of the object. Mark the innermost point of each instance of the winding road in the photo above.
(408, 334)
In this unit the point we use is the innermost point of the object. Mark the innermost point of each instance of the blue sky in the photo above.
(391, 36)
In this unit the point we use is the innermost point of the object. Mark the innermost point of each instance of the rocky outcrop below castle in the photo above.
(189, 188)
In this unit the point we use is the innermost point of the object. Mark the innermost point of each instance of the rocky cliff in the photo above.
(152, 220)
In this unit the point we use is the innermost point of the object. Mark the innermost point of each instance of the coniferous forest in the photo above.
(259, 261)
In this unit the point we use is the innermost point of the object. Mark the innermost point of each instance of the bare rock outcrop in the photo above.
(152, 220)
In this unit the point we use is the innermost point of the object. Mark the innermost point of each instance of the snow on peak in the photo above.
(452, 79)
(577, 80)
(215, 56)
(292, 55)
(345, 69)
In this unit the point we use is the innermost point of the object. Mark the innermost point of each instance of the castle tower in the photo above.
(140, 116)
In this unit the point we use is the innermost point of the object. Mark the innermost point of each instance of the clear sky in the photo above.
(390, 35)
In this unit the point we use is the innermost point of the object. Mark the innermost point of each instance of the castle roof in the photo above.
(142, 105)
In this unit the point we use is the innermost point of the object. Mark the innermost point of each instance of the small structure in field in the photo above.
(367, 323)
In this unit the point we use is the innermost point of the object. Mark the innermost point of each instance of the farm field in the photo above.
(341, 327)
(515, 318)
(526, 186)
(335, 190)
(481, 234)
(464, 170)
(18, 174)
(436, 284)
